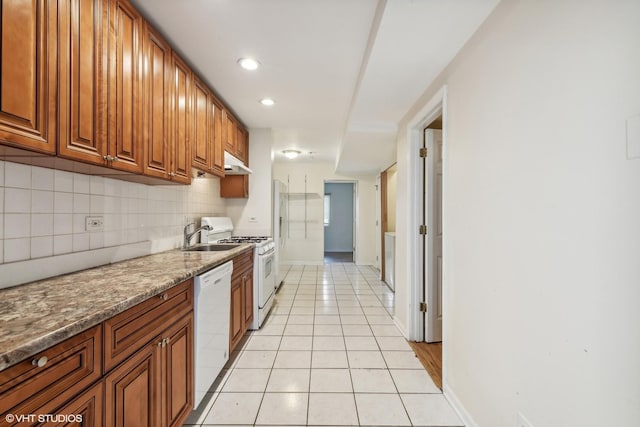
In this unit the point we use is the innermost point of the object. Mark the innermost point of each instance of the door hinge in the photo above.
(423, 152)
(423, 307)
(423, 230)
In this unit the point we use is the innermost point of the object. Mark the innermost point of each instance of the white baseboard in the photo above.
(401, 328)
(458, 407)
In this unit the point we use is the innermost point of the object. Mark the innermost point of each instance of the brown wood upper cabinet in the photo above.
(82, 80)
(242, 138)
(100, 83)
(28, 74)
(208, 149)
(202, 137)
(230, 132)
(181, 116)
(217, 132)
(158, 82)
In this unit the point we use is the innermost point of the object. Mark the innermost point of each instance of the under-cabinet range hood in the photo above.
(233, 166)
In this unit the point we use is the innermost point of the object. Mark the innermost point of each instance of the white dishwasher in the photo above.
(211, 337)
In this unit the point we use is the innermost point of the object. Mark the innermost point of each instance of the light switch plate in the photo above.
(94, 223)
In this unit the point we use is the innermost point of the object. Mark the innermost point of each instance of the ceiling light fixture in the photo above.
(248, 63)
(291, 154)
(267, 102)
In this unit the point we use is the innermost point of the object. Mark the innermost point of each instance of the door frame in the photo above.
(356, 211)
(436, 106)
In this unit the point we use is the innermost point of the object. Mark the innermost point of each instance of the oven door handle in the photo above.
(269, 252)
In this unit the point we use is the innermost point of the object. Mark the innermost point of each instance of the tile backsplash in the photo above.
(43, 215)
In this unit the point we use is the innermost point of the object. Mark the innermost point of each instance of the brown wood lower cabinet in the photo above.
(241, 297)
(144, 376)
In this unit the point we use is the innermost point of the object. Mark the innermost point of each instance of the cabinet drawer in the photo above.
(70, 367)
(242, 263)
(132, 329)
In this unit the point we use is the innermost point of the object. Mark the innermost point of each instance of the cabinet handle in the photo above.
(166, 341)
(164, 297)
(161, 343)
(115, 159)
(40, 362)
(106, 157)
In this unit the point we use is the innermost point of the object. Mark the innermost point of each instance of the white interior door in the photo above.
(433, 254)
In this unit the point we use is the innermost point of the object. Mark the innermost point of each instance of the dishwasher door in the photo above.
(211, 338)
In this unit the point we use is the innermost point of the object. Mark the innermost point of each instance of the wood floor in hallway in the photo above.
(430, 355)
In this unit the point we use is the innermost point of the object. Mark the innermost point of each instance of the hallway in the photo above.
(329, 354)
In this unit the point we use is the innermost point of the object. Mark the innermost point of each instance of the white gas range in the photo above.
(263, 263)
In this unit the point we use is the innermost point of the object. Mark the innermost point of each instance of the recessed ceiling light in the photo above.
(291, 154)
(267, 102)
(248, 63)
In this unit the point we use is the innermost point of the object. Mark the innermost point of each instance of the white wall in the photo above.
(309, 249)
(42, 219)
(338, 235)
(252, 216)
(542, 236)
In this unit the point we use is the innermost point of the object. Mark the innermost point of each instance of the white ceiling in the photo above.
(342, 72)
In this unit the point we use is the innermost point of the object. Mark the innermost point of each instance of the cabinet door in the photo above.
(87, 407)
(125, 80)
(178, 372)
(241, 143)
(237, 313)
(234, 186)
(82, 80)
(133, 389)
(217, 166)
(157, 98)
(230, 133)
(62, 371)
(28, 60)
(248, 299)
(182, 127)
(201, 147)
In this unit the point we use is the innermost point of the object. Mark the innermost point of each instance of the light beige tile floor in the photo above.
(329, 354)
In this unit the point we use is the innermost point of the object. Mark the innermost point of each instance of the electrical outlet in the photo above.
(522, 421)
(94, 223)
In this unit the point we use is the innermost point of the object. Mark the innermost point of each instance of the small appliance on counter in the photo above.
(263, 262)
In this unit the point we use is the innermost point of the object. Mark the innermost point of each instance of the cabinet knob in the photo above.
(164, 297)
(115, 159)
(106, 157)
(40, 362)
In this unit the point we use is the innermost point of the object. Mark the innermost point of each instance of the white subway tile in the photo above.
(1, 251)
(97, 204)
(41, 178)
(62, 203)
(17, 225)
(81, 183)
(1, 226)
(62, 244)
(41, 247)
(97, 185)
(17, 200)
(42, 225)
(79, 223)
(16, 249)
(17, 175)
(96, 240)
(2, 174)
(63, 181)
(80, 242)
(62, 224)
(81, 203)
(42, 201)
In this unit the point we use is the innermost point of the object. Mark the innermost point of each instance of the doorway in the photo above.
(339, 222)
(427, 267)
